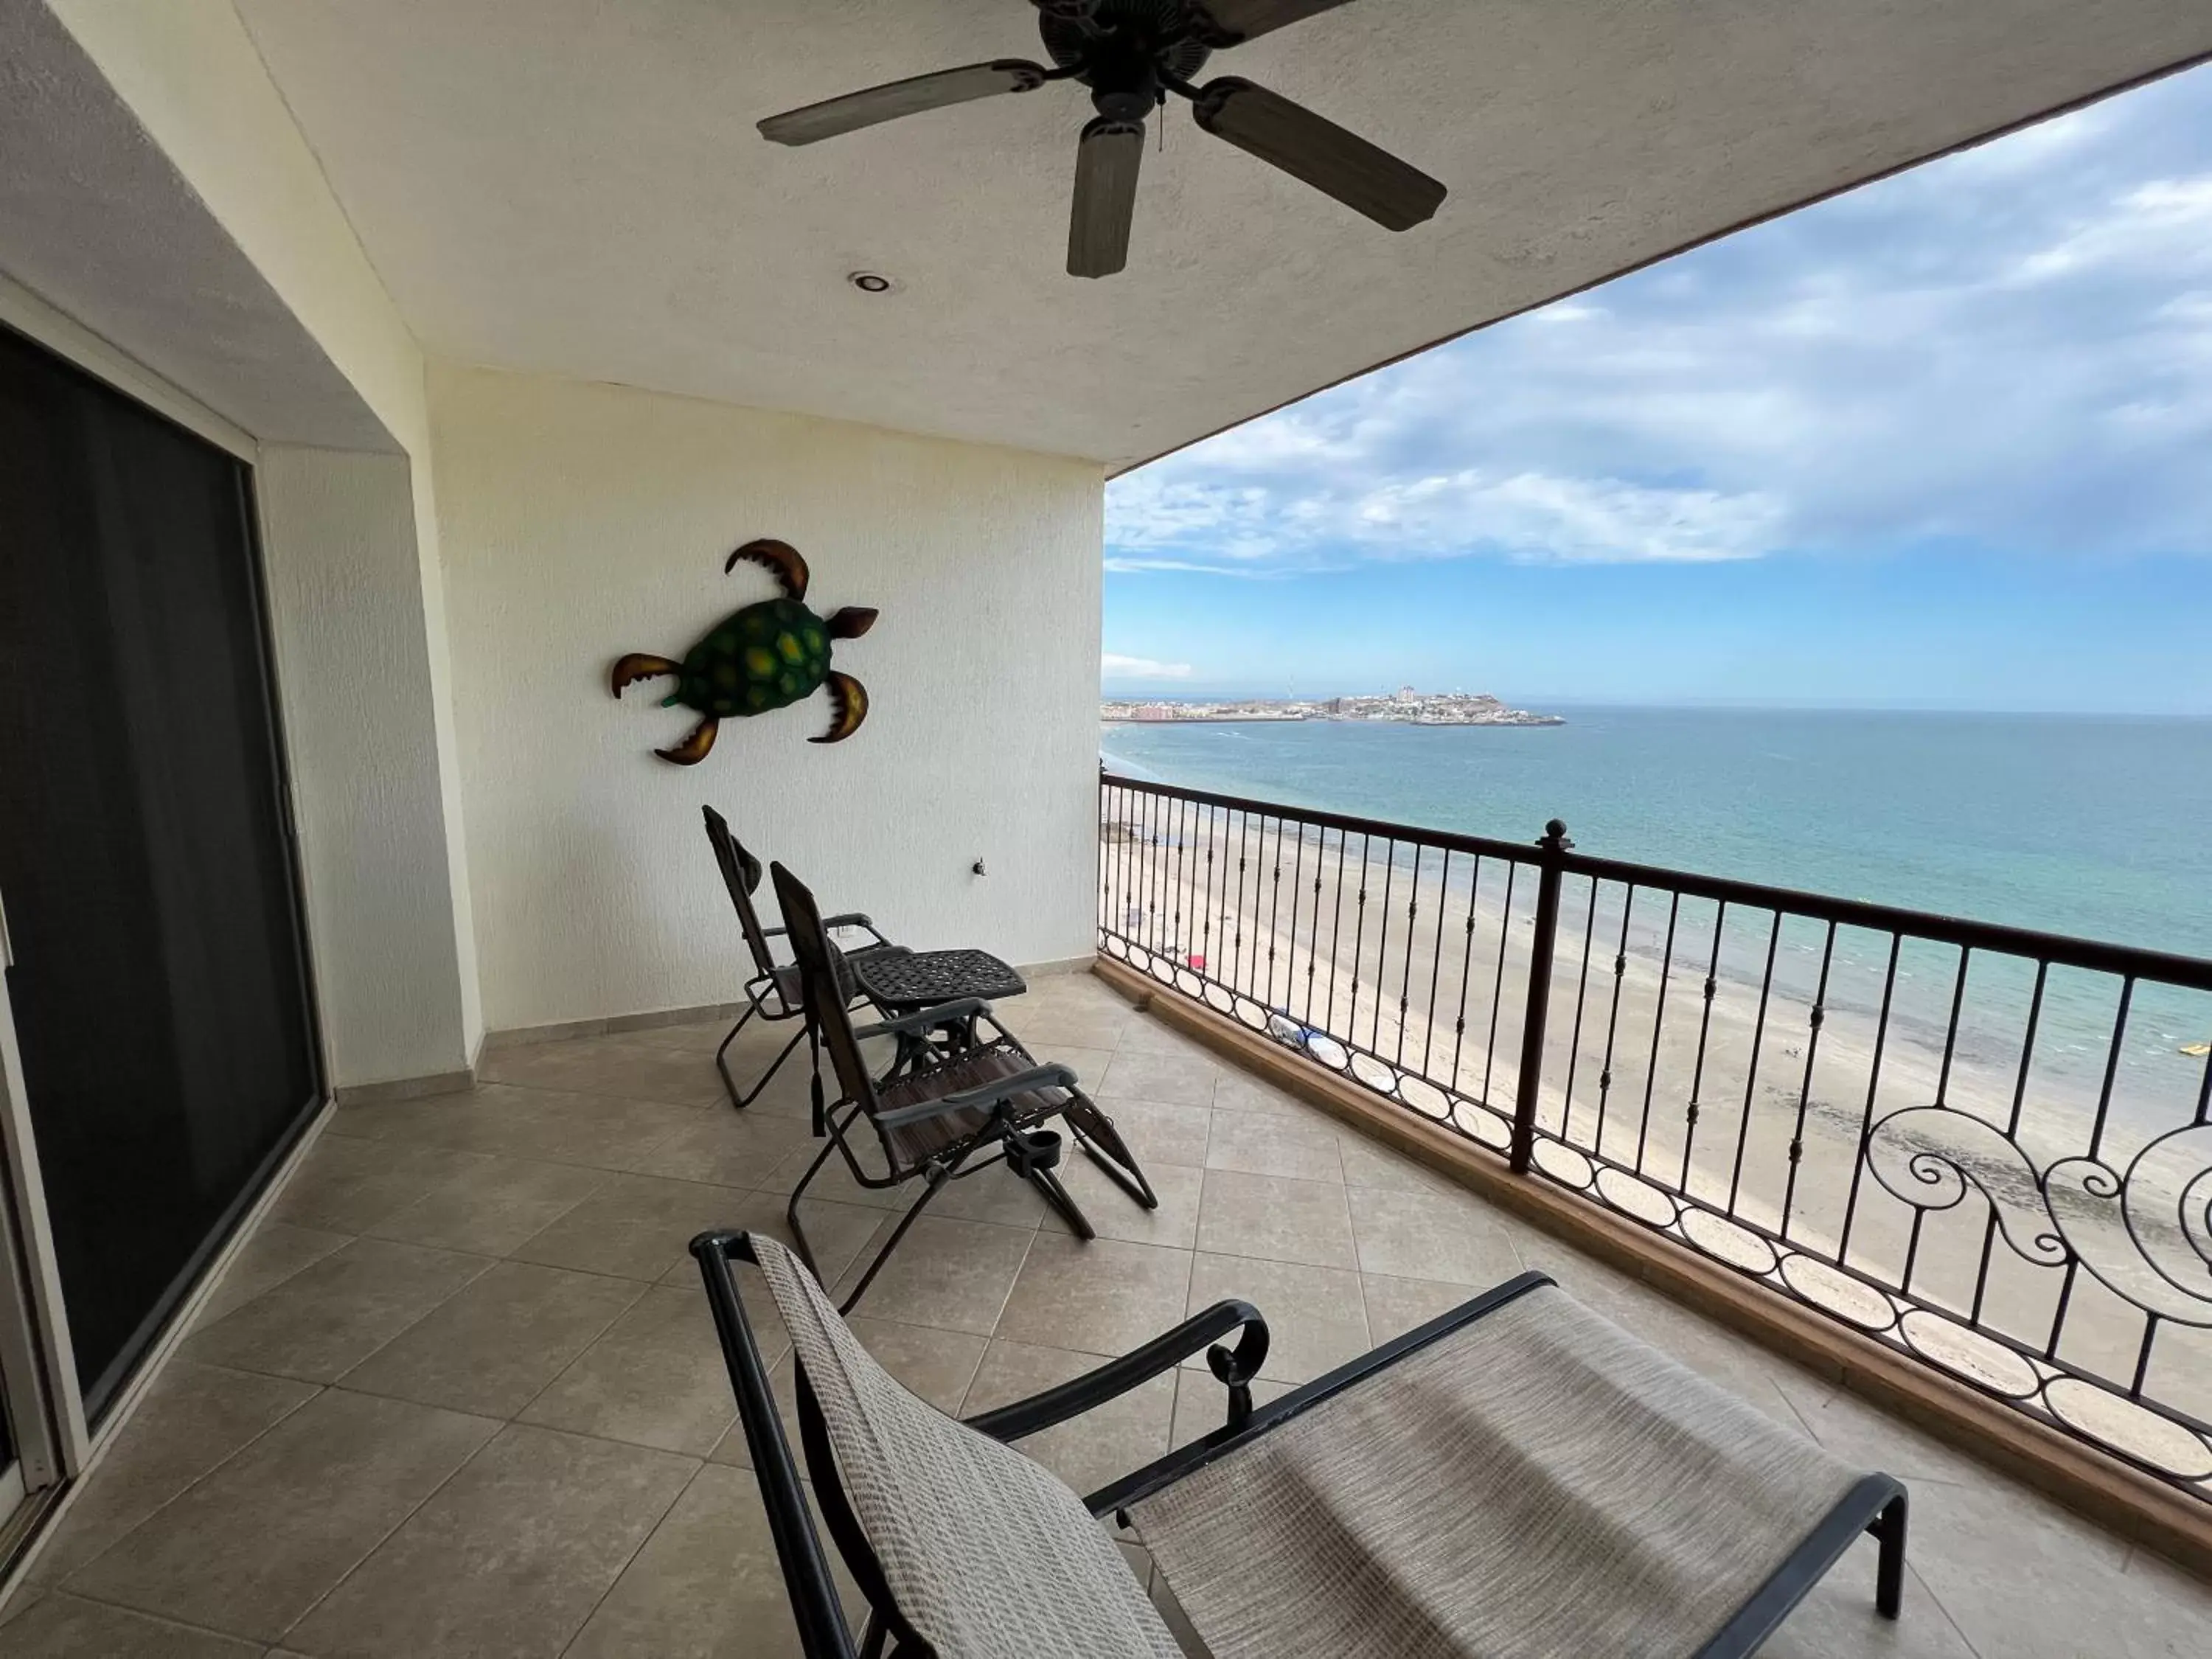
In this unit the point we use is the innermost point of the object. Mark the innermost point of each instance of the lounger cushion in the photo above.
(1539, 1483)
(989, 1554)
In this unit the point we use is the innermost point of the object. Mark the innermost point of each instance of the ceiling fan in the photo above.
(1132, 54)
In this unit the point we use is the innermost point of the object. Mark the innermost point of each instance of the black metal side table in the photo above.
(910, 981)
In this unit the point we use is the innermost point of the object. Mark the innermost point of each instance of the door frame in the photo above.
(56, 1441)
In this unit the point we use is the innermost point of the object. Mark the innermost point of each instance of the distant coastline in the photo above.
(1404, 707)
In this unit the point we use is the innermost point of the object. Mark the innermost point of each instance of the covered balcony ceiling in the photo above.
(576, 188)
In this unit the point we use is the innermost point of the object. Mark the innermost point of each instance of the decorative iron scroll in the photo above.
(2145, 1235)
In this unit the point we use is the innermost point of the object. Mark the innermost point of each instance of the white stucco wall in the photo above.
(351, 537)
(579, 522)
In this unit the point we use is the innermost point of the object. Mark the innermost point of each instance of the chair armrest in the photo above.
(1048, 1076)
(922, 1018)
(855, 919)
(1164, 1353)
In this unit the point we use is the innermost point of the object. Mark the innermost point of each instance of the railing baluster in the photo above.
(1406, 969)
(1290, 944)
(1436, 964)
(1613, 1017)
(1873, 1088)
(1382, 948)
(1358, 941)
(1658, 1027)
(1704, 1030)
(1942, 1088)
(2012, 1128)
(1274, 863)
(1805, 1090)
(1751, 1072)
(1498, 985)
(1466, 967)
(1582, 999)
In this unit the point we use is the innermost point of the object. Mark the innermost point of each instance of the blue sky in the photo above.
(1943, 443)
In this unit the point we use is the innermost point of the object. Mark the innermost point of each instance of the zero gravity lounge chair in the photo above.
(1518, 1479)
(772, 993)
(963, 1096)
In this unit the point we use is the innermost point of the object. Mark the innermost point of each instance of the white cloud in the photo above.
(2012, 347)
(1114, 666)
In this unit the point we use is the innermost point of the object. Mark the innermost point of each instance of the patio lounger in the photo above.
(1518, 1479)
(876, 973)
(772, 993)
(947, 1110)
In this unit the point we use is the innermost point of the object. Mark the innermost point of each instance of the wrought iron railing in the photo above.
(1988, 1147)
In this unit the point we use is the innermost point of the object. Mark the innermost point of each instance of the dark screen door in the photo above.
(160, 989)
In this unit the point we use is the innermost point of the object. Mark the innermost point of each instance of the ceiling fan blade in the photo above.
(1106, 164)
(1394, 194)
(897, 98)
(1227, 22)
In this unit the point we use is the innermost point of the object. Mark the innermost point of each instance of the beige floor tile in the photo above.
(834, 1182)
(656, 1378)
(1114, 1214)
(510, 1556)
(1861, 1433)
(1316, 1317)
(1431, 1236)
(1065, 1023)
(953, 1275)
(934, 1364)
(1202, 1404)
(707, 1584)
(1395, 1306)
(192, 1420)
(1103, 1296)
(701, 1036)
(1088, 1064)
(347, 1185)
(992, 1194)
(254, 1545)
(610, 1065)
(1158, 1134)
(2019, 1575)
(1837, 1620)
(1277, 1219)
(68, 1627)
(1240, 1091)
(598, 1131)
(1148, 1034)
(492, 1347)
(1126, 1433)
(1171, 1080)
(1370, 1164)
(729, 1148)
(1269, 1144)
(324, 1319)
(637, 1226)
(492, 1206)
(275, 1252)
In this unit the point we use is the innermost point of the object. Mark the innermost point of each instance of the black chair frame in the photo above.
(765, 993)
(934, 1042)
(1876, 1505)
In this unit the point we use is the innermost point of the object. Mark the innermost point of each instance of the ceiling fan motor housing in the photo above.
(1123, 50)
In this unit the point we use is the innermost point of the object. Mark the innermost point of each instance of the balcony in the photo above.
(461, 1392)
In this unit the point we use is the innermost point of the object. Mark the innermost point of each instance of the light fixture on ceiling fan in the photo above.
(1132, 54)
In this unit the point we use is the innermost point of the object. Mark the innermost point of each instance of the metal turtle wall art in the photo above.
(767, 655)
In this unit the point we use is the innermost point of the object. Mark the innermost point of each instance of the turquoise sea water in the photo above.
(2099, 827)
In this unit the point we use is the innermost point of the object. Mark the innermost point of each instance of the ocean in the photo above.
(2095, 827)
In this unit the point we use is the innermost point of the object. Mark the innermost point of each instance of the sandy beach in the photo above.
(1423, 985)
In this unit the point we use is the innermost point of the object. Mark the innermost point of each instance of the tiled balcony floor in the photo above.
(460, 1395)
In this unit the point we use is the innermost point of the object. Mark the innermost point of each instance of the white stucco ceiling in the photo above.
(575, 187)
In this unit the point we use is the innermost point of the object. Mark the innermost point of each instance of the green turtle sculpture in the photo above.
(768, 655)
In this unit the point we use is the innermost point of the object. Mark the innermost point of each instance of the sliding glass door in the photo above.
(159, 984)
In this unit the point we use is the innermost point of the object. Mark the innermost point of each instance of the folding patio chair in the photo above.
(772, 993)
(947, 1110)
(1518, 1479)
